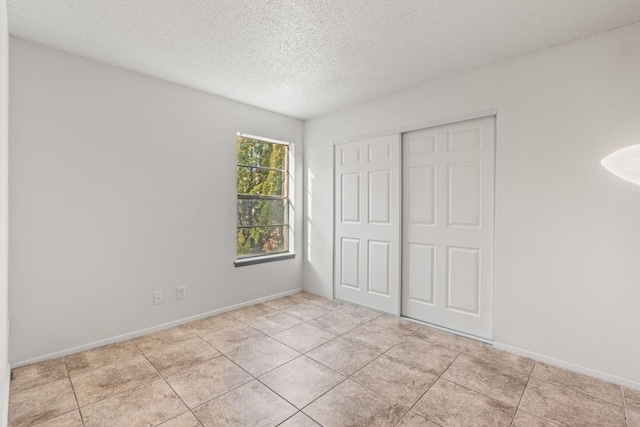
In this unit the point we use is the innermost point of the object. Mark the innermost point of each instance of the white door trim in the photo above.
(423, 125)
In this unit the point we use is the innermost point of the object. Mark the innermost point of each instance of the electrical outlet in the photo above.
(182, 292)
(158, 297)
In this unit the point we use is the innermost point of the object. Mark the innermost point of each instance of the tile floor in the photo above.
(304, 360)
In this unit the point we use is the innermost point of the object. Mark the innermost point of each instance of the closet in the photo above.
(414, 216)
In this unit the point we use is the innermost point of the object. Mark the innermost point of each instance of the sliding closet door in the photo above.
(367, 223)
(447, 232)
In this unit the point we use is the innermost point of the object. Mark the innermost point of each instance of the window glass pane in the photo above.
(253, 152)
(253, 212)
(262, 240)
(263, 204)
(262, 182)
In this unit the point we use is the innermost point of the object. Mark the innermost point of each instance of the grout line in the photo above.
(350, 377)
(73, 389)
(291, 403)
(169, 385)
(624, 407)
(220, 395)
(548, 420)
(580, 391)
(298, 351)
(524, 390)
(287, 419)
(345, 377)
(438, 376)
(404, 339)
(116, 362)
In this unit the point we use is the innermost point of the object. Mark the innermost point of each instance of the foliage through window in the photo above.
(263, 197)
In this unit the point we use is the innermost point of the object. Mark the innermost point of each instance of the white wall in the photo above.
(567, 255)
(4, 151)
(121, 185)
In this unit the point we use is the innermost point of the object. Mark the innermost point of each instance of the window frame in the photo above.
(287, 197)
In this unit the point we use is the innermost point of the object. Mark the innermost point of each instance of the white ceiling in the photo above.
(305, 58)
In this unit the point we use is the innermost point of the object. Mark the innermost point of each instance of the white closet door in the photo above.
(447, 232)
(367, 223)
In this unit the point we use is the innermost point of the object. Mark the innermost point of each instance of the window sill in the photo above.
(263, 259)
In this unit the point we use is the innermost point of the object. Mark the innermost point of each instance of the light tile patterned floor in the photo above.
(304, 360)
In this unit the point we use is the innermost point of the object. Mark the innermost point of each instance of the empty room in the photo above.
(319, 213)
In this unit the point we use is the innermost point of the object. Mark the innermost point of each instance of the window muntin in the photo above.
(262, 197)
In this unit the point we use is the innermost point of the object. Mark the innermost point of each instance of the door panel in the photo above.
(379, 280)
(379, 197)
(350, 156)
(350, 197)
(422, 204)
(465, 181)
(464, 138)
(350, 263)
(367, 223)
(421, 269)
(379, 151)
(463, 281)
(447, 232)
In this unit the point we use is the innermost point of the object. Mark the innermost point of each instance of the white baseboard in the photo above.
(545, 359)
(569, 366)
(4, 409)
(146, 331)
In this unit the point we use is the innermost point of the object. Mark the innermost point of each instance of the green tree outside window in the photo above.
(263, 204)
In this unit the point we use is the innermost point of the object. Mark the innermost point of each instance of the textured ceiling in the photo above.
(305, 58)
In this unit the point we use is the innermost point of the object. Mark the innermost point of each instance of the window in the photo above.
(263, 197)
